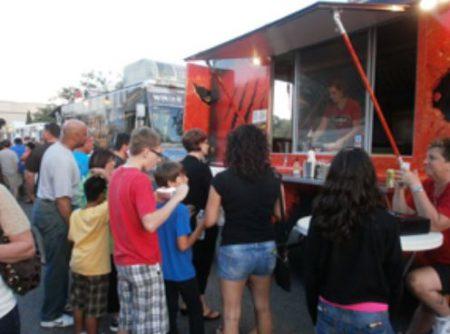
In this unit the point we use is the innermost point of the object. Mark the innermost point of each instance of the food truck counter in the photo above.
(302, 180)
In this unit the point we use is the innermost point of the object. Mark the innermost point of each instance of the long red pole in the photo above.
(365, 80)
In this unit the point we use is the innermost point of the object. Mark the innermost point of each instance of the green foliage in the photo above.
(94, 82)
(29, 118)
(44, 114)
(68, 93)
(281, 127)
(91, 83)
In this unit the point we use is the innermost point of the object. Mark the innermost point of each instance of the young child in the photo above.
(176, 240)
(90, 263)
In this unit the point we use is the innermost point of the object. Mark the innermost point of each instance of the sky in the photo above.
(48, 44)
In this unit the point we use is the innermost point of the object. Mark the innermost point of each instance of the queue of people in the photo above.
(133, 250)
(14, 224)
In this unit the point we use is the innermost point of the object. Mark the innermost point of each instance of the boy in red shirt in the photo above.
(134, 220)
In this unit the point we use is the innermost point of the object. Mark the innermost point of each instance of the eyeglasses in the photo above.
(159, 155)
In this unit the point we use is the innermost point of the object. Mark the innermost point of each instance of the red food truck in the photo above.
(386, 88)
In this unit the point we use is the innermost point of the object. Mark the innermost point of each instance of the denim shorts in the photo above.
(334, 320)
(238, 262)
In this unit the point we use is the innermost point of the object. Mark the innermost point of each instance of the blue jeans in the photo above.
(334, 320)
(238, 262)
(10, 323)
(54, 231)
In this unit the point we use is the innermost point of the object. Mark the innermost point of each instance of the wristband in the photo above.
(417, 188)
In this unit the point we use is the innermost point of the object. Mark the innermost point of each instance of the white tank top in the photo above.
(7, 299)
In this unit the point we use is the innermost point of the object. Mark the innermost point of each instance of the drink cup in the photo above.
(201, 216)
(390, 178)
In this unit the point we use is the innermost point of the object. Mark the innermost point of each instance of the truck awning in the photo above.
(309, 26)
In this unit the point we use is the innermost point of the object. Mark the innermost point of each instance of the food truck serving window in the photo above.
(330, 97)
(330, 107)
(395, 78)
(283, 91)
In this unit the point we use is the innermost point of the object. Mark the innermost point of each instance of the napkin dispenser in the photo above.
(411, 224)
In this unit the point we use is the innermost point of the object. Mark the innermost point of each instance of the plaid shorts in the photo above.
(90, 294)
(143, 308)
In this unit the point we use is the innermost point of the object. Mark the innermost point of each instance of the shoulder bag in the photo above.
(282, 272)
(21, 276)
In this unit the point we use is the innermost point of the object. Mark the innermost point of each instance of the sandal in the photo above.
(211, 315)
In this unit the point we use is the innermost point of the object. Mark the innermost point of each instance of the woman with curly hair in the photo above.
(353, 270)
(248, 191)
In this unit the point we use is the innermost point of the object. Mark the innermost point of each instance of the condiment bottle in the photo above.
(310, 164)
(296, 168)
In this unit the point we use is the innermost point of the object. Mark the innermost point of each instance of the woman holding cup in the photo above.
(431, 199)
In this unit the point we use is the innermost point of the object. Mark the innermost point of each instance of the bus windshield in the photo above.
(168, 122)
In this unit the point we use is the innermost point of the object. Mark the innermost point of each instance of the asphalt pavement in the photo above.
(289, 309)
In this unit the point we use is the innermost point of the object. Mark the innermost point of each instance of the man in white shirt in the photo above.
(58, 182)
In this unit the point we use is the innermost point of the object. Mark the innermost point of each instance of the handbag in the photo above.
(282, 271)
(22, 276)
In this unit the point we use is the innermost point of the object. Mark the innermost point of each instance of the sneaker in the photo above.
(114, 325)
(68, 309)
(441, 325)
(63, 321)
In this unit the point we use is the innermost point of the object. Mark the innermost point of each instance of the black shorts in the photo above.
(443, 271)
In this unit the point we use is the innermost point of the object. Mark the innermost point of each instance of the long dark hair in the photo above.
(248, 152)
(350, 193)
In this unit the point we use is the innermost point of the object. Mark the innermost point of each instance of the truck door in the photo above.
(198, 98)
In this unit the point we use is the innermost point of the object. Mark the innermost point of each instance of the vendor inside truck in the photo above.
(340, 122)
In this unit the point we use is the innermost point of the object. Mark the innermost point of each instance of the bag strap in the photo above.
(281, 229)
(280, 197)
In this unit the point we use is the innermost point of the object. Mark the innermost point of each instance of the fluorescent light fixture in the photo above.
(397, 8)
(256, 61)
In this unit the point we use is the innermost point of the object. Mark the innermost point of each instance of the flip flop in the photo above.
(211, 315)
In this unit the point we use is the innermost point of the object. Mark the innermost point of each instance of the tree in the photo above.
(95, 81)
(281, 127)
(92, 83)
(44, 114)
(29, 118)
(69, 94)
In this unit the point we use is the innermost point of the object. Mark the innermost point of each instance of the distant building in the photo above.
(15, 113)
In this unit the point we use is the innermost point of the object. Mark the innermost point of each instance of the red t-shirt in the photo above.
(442, 204)
(130, 198)
(343, 118)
